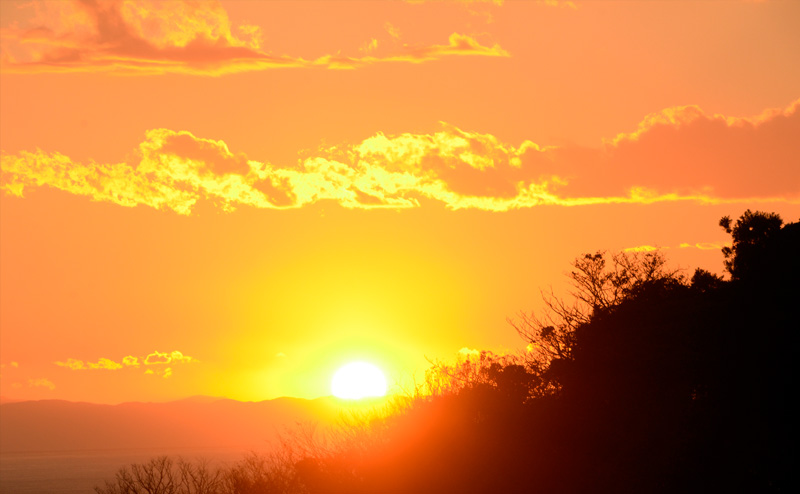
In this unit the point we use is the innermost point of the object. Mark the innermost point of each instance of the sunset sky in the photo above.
(237, 198)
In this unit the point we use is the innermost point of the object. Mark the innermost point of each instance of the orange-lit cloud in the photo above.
(643, 248)
(704, 245)
(370, 46)
(11, 366)
(168, 358)
(689, 152)
(156, 358)
(393, 31)
(679, 154)
(558, 3)
(102, 363)
(457, 45)
(684, 245)
(36, 383)
(165, 373)
(123, 37)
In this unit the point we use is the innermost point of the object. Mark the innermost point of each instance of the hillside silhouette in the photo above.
(643, 381)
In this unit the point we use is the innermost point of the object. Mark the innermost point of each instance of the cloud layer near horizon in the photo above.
(678, 154)
(196, 38)
(156, 358)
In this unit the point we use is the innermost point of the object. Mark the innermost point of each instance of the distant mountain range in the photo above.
(196, 422)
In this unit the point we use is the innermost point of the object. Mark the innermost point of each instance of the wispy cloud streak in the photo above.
(195, 38)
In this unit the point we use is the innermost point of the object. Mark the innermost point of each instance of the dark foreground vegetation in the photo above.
(646, 382)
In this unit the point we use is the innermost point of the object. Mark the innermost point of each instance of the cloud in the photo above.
(393, 31)
(165, 373)
(10, 365)
(704, 245)
(175, 357)
(685, 149)
(156, 358)
(176, 37)
(678, 154)
(35, 383)
(559, 3)
(105, 363)
(683, 245)
(179, 357)
(643, 248)
(41, 383)
(73, 364)
(102, 363)
(457, 45)
(370, 46)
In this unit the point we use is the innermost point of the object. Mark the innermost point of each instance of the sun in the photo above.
(358, 380)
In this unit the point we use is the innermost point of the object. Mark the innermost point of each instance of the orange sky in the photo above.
(236, 198)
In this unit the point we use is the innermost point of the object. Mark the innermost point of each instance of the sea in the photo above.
(78, 472)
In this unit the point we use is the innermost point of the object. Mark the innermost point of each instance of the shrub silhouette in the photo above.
(646, 382)
(162, 475)
(253, 474)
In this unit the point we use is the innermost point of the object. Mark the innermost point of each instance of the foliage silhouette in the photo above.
(646, 382)
(600, 283)
(752, 235)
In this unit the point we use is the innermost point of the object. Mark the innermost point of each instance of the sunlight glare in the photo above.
(358, 380)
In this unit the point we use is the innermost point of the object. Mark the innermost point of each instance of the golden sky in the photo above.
(235, 198)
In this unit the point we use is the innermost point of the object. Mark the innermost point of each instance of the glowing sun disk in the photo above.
(358, 380)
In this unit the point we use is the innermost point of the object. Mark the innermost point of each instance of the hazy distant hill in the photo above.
(55, 425)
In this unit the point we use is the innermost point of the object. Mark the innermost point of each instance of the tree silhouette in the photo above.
(645, 383)
(600, 282)
(685, 385)
(752, 236)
